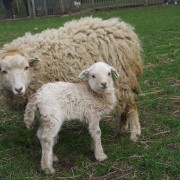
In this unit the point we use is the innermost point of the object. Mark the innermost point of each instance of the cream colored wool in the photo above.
(65, 51)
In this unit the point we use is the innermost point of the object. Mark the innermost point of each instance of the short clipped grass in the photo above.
(156, 155)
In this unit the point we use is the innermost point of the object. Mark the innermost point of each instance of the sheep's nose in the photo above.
(104, 84)
(19, 90)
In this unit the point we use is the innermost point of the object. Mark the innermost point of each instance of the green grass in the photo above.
(155, 156)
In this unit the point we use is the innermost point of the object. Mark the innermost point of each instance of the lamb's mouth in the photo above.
(20, 94)
(104, 87)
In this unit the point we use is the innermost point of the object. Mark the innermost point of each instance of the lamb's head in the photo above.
(15, 72)
(100, 77)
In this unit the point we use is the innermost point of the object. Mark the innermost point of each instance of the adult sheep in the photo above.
(62, 53)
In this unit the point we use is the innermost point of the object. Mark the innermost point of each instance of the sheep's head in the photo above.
(15, 72)
(100, 77)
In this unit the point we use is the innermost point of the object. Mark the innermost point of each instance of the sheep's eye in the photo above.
(4, 72)
(109, 74)
(93, 76)
(26, 68)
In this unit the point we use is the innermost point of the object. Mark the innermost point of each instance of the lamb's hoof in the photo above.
(101, 157)
(55, 158)
(135, 137)
(49, 170)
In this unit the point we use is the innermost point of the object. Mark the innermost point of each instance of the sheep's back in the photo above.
(81, 43)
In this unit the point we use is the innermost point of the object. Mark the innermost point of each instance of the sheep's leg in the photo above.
(47, 155)
(47, 134)
(95, 132)
(135, 127)
(123, 124)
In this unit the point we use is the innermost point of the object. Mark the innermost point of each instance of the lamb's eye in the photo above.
(109, 74)
(93, 76)
(4, 72)
(26, 68)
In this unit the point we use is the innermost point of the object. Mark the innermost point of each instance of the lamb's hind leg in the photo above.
(47, 153)
(46, 134)
(95, 132)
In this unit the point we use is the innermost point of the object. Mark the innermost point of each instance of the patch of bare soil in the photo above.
(174, 82)
(174, 146)
(151, 84)
(63, 166)
(176, 109)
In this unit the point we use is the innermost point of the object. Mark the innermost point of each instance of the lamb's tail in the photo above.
(30, 110)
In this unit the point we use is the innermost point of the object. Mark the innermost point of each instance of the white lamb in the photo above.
(61, 101)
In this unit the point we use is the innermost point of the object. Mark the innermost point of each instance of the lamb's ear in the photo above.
(115, 73)
(83, 74)
(33, 61)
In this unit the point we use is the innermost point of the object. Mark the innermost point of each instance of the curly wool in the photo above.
(66, 51)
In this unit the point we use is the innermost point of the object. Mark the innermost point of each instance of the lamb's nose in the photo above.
(104, 84)
(19, 90)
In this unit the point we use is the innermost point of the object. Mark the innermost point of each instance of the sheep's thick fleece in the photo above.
(68, 50)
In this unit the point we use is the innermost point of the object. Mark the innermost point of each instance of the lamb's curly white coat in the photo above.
(61, 101)
(65, 51)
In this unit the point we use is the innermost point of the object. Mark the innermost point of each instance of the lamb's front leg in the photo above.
(95, 132)
(55, 158)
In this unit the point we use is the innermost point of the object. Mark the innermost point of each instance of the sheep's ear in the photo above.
(33, 61)
(115, 73)
(83, 74)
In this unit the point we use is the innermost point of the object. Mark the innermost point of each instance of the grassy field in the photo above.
(155, 156)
